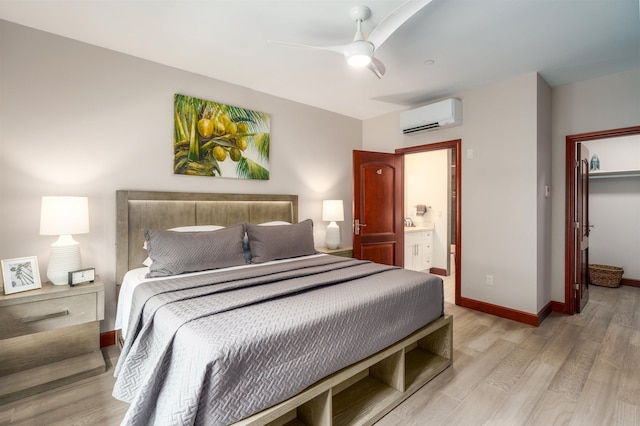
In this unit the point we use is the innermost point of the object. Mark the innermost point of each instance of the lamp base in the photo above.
(64, 257)
(332, 240)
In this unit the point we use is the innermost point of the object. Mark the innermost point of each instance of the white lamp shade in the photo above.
(64, 216)
(332, 210)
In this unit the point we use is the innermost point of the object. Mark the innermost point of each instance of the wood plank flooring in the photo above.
(572, 370)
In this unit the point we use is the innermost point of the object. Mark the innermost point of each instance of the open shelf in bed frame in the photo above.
(364, 392)
(360, 394)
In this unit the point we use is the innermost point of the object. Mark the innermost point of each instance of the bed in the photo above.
(295, 337)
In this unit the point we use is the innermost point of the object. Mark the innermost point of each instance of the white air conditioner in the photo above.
(431, 117)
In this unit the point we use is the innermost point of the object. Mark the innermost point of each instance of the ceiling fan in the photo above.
(360, 52)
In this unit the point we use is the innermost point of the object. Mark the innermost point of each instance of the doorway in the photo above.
(572, 248)
(448, 234)
(428, 211)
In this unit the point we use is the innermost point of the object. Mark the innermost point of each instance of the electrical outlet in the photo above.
(489, 280)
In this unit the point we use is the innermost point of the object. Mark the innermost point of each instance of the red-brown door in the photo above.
(581, 228)
(378, 207)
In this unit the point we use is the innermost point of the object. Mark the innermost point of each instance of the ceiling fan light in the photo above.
(359, 53)
(358, 60)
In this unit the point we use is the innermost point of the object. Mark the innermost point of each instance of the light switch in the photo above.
(470, 153)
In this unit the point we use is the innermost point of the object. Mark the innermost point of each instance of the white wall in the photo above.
(426, 183)
(81, 120)
(604, 103)
(614, 211)
(383, 133)
(499, 187)
(543, 230)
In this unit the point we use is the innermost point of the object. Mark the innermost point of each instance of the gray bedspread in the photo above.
(212, 349)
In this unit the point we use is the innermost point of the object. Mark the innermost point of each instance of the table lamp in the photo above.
(332, 211)
(64, 216)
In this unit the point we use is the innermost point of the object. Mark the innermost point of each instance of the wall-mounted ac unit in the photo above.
(431, 117)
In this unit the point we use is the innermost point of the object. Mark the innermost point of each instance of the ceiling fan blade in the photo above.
(338, 49)
(377, 67)
(394, 20)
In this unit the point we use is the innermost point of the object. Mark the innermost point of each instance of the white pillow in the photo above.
(196, 228)
(191, 228)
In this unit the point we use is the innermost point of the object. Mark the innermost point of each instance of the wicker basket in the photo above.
(604, 275)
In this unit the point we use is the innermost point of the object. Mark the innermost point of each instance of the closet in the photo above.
(614, 203)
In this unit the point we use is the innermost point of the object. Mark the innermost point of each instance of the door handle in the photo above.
(357, 225)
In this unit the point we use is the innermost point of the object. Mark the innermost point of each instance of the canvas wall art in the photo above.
(212, 139)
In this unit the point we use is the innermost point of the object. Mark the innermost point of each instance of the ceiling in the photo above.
(473, 43)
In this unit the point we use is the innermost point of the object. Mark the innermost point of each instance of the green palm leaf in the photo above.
(248, 169)
(261, 142)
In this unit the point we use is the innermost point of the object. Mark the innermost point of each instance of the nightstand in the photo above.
(344, 251)
(49, 337)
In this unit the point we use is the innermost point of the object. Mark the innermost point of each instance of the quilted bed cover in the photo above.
(215, 348)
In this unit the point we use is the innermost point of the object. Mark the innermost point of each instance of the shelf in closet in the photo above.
(614, 174)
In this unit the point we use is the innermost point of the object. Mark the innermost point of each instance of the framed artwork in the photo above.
(212, 139)
(20, 274)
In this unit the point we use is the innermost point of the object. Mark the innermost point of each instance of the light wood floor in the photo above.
(572, 370)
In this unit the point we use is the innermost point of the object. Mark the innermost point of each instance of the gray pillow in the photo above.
(245, 242)
(280, 241)
(176, 253)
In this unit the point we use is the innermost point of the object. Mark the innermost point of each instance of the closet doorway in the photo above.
(442, 203)
(572, 249)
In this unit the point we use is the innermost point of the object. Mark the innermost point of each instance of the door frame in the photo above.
(571, 183)
(457, 145)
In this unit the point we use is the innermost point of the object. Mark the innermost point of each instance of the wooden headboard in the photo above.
(138, 210)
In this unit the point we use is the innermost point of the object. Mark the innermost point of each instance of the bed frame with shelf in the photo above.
(359, 394)
(364, 392)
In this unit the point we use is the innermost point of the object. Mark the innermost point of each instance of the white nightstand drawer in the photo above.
(42, 315)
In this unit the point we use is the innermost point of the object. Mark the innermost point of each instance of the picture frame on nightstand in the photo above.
(20, 274)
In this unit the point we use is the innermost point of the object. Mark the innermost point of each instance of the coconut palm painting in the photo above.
(212, 139)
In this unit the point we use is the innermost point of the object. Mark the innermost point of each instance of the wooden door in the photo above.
(378, 207)
(581, 228)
